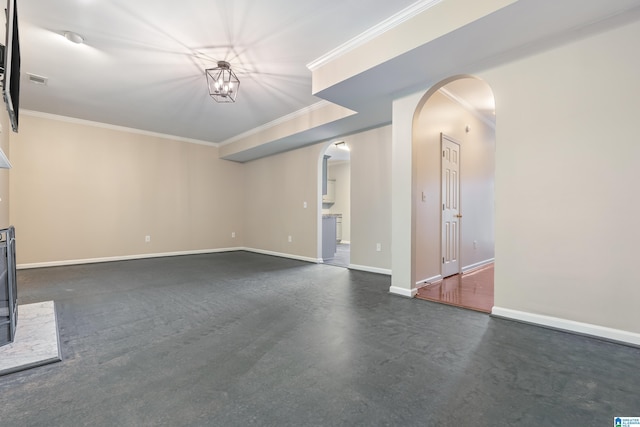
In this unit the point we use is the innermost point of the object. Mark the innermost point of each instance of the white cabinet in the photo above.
(330, 197)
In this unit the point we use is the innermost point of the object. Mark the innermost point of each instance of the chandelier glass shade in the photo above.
(223, 82)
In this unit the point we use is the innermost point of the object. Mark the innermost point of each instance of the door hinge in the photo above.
(443, 260)
(443, 206)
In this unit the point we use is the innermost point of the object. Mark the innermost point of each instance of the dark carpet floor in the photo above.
(240, 339)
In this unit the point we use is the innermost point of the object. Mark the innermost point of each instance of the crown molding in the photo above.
(464, 104)
(373, 32)
(114, 127)
(276, 122)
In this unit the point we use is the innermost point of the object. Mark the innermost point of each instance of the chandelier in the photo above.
(223, 83)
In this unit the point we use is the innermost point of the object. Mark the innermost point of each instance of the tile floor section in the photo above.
(472, 290)
(36, 340)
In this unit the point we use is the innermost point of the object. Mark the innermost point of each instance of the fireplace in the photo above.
(8, 286)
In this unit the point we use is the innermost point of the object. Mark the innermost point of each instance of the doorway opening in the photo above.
(336, 204)
(454, 164)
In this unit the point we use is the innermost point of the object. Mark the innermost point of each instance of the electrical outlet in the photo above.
(378, 247)
(233, 234)
(304, 205)
(475, 244)
(147, 239)
(290, 239)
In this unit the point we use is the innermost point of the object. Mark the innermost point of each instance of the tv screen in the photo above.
(11, 80)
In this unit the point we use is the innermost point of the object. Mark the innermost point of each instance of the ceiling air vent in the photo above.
(37, 80)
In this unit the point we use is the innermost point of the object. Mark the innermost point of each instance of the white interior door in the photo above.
(450, 206)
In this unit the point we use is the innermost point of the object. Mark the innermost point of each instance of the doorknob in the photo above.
(458, 216)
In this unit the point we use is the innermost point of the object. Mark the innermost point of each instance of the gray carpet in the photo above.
(238, 339)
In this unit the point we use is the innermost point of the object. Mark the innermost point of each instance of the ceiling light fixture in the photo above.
(223, 83)
(342, 145)
(73, 37)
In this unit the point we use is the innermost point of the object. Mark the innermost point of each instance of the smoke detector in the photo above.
(73, 37)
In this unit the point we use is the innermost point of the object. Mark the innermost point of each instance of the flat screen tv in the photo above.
(11, 79)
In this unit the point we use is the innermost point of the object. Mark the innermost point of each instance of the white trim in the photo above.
(376, 270)
(464, 104)
(160, 255)
(468, 268)
(193, 252)
(280, 120)
(121, 258)
(373, 32)
(611, 334)
(428, 281)
(403, 292)
(282, 255)
(465, 269)
(114, 127)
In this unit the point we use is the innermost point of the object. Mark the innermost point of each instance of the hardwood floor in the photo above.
(472, 290)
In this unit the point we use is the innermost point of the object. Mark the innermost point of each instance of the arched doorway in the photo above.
(334, 200)
(453, 155)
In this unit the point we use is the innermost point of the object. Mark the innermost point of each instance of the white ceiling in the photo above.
(143, 62)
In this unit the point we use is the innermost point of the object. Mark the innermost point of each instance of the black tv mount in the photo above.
(1, 64)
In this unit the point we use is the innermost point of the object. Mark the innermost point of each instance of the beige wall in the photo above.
(277, 186)
(276, 189)
(82, 192)
(403, 278)
(568, 166)
(341, 172)
(477, 149)
(5, 134)
(371, 198)
(567, 161)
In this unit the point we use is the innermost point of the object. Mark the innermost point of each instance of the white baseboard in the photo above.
(159, 255)
(424, 282)
(376, 270)
(465, 269)
(468, 268)
(194, 252)
(121, 258)
(588, 329)
(283, 255)
(403, 292)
